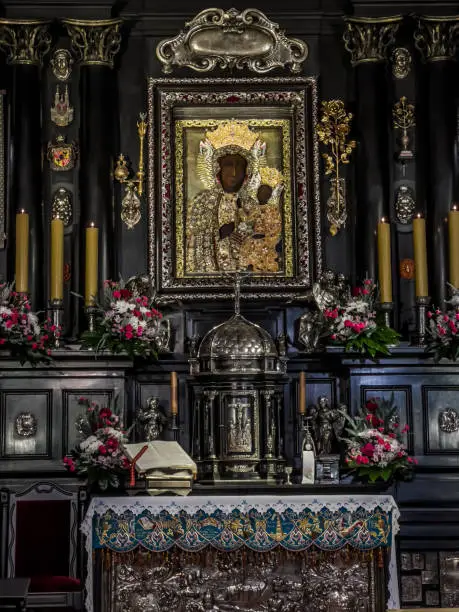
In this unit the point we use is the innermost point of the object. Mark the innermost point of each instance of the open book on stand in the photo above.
(163, 465)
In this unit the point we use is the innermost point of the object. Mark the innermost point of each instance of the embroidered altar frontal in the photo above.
(241, 554)
(260, 530)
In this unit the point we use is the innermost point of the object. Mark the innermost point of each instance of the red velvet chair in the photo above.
(44, 542)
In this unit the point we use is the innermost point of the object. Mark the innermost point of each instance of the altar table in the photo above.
(265, 537)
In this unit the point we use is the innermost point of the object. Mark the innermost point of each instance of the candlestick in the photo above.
(384, 262)
(22, 252)
(420, 256)
(386, 308)
(55, 314)
(420, 337)
(57, 260)
(453, 230)
(174, 403)
(92, 265)
(302, 394)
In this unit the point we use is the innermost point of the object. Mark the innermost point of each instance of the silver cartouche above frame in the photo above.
(228, 39)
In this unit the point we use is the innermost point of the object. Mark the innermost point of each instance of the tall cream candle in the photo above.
(453, 231)
(384, 262)
(91, 286)
(22, 252)
(174, 401)
(57, 259)
(420, 256)
(302, 393)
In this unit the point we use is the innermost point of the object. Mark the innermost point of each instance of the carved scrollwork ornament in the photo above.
(405, 204)
(448, 420)
(26, 425)
(25, 41)
(368, 39)
(62, 205)
(401, 63)
(228, 39)
(61, 64)
(436, 37)
(95, 42)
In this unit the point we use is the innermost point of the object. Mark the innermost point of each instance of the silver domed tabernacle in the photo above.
(237, 346)
(238, 407)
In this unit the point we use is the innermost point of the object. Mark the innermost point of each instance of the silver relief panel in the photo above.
(239, 438)
(224, 584)
(420, 578)
(449, 579)
(229, 39)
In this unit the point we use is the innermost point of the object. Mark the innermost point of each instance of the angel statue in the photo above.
(454, 301)
(328, 425)
(310, 326)
(221, 217)
(140, 285)
(151, 420)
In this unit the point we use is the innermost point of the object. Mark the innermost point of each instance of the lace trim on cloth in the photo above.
(227, 523)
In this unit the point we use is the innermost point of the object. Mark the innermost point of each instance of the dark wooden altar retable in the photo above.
(355, 49)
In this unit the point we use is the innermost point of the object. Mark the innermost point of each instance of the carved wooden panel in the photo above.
(429, 578)
(71, 410)
(26, 423)
(441, 417)
(402, 399)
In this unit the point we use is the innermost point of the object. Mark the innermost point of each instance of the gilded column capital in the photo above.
(436, 37)
(25, 41)
(94, 42)
(368, 38)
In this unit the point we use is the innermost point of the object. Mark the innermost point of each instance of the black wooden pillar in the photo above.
(435, 38)
(25, 44)
(95, 44)
(368, 41)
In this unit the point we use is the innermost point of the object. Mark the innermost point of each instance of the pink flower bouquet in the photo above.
(125, 323)
(443, 334)
(355, 325)
(98, 455)
(20, 330)
(375, 448)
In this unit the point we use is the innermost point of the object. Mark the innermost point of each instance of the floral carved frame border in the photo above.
(300, 95)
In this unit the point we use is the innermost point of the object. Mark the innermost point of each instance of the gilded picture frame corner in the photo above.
(288, 105)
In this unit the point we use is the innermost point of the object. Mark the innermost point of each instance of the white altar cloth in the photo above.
(262, 503)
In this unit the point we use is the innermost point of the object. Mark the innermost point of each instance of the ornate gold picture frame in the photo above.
(233, 186)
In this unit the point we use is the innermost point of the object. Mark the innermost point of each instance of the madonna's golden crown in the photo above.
(232, 133)
(271, 177)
